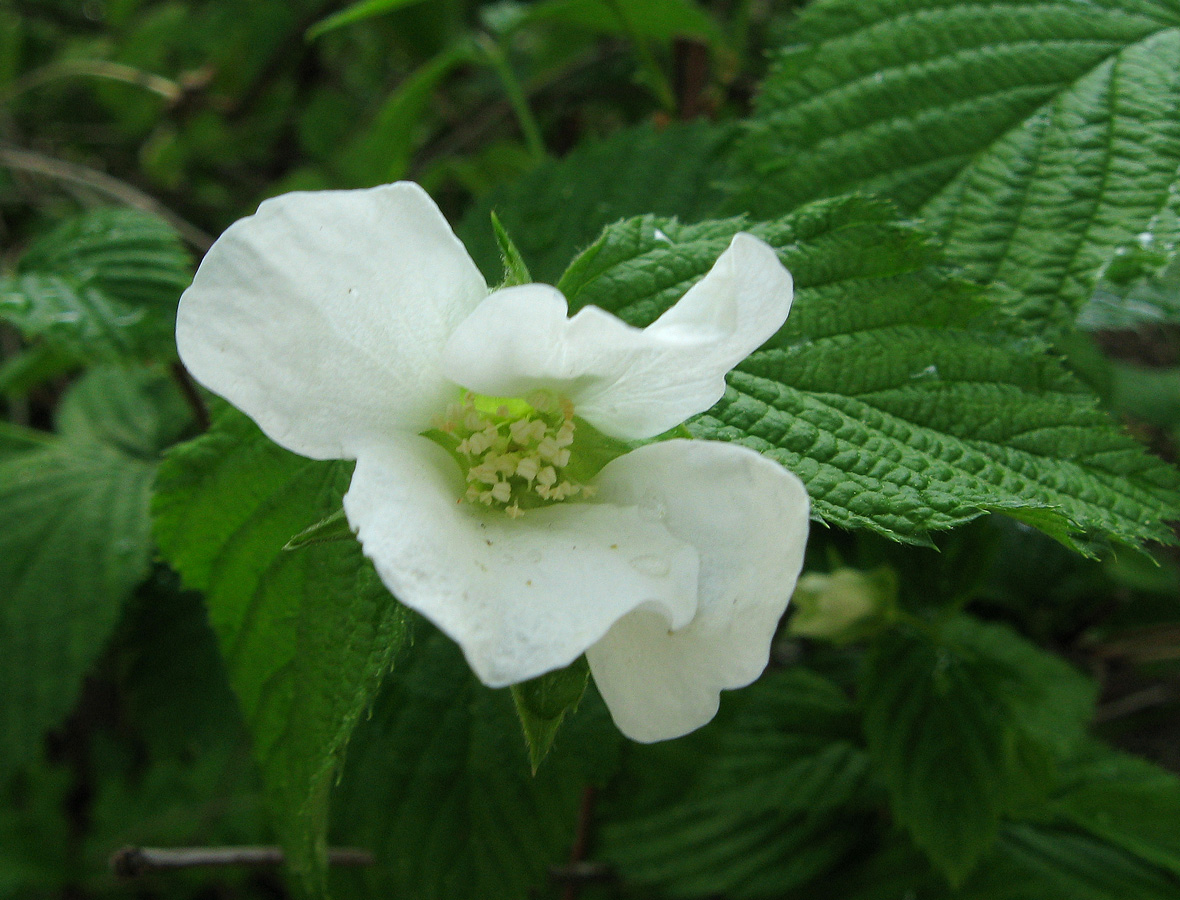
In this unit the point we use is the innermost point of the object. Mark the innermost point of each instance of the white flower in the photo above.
(349, 323)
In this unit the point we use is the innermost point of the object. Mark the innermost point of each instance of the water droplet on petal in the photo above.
(652, 508)
(650, 565)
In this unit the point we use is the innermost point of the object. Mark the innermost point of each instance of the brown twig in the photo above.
(1155, 695)
(170, 90)
(130, 862)
(192, 396)
(578, 871)
(59, 169)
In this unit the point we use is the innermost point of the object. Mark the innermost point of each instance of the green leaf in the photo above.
(138, 414)
(948, 726)
(29, 368)
(1035, 862)
(1035, 136)
(1051, 701)
(943, 417)
(101, 286)
(306, 635)
(561, 206)
(437, 785)
(1029, 862)
(542, 703)
(774, 800)
(358, 12)
(1126, 801)
(74, 542)
(18, 438)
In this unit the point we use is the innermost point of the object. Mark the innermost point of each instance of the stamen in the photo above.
(515, 455)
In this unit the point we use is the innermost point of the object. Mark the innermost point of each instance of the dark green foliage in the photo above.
(101, 286)
(438, 786)
(270, 688)
(772, 803)
(961, 734)
(1126, 801)
(559, 208)
(306, 634)
(74, 542)
(1036, 137)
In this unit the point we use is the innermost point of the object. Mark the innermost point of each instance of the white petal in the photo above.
(630, 383)
(323, 315)
(520, 596)
(748, 518)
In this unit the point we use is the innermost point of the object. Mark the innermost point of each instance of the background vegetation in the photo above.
(976, 696)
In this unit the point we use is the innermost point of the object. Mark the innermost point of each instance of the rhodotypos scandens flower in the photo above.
(353, 324)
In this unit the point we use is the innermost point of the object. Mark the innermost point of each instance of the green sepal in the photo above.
(515, 270)
(591, 451)
(542, 702)
(326, 531)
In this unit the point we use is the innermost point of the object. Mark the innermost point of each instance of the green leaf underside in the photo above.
(1035, 137)
(890, 391)
(74, 542)
(1126, 801)
(542, 703)
(1030, 861)
(964, 728)
(941, 741)
(101, 286)
(306, 634)
(1034, 862)
(438, 786)
(774, 803)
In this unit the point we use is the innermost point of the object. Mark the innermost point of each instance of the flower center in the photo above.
(514, 451)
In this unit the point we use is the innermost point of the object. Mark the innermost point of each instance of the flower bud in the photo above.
(843, 605)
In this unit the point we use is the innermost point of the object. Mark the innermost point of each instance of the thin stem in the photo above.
(578, 871)
(656, 78)
(1156, 695)
(59, 169)
(192, 396)
(516, 97)
(95, 68)
(130, 862)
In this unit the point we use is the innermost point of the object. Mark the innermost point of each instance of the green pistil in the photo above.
(514, 451)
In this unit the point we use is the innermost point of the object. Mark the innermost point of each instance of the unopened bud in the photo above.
(841, 606)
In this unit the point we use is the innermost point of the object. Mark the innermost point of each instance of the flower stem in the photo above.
(654, 75)
(192, 396)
